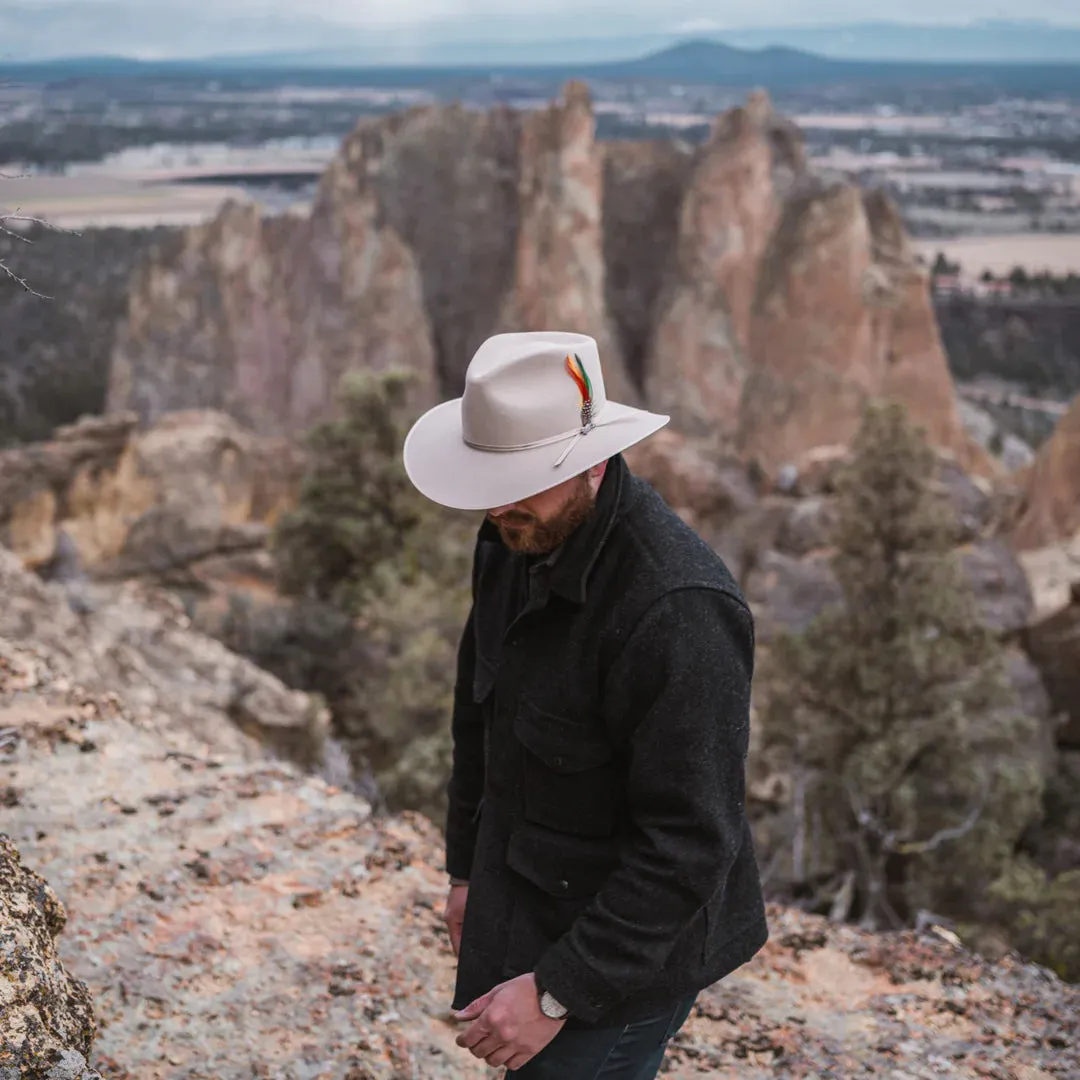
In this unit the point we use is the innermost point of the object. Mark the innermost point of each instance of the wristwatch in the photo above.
(548, 1005)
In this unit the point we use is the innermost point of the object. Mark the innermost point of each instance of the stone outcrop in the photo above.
(841, 313)
(1049, 507)
(46, 1017)
(446, 180)
(698, 358)
(1054, 644)
(723, 284)
(559, 272)
(431, 230)
(237, 919)
(644, 184)
(260, 317)
(110, 501)
(137, 641)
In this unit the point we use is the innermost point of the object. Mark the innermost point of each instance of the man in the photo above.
(601, 866)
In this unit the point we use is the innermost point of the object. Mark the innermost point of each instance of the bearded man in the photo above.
(601, 866)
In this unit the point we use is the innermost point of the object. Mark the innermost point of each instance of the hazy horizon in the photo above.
(423, 30)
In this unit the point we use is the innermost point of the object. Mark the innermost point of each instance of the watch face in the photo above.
(551, 1008)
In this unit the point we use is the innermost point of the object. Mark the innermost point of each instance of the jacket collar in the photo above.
(572, 562)
(567, 568)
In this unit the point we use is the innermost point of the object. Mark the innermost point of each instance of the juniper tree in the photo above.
(884, 706)
(363, 540)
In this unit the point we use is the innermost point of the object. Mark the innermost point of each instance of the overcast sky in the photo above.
(30, 28)
(654, 15)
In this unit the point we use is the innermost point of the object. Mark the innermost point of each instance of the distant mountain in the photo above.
(275, 33)
(703, 62)
(986, 41)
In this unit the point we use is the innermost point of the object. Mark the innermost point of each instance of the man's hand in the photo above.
(508, 1027)
(454, 914)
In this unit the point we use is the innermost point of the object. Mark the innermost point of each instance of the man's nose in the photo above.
(498, 511)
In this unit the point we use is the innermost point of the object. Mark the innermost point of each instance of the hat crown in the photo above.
(520, 391)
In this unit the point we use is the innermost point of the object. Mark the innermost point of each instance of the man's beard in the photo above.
(528, 535)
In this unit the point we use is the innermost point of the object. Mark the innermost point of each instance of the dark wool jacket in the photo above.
(597, 802)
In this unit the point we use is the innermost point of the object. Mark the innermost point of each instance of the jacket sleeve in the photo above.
(466, 786)
(679, 693)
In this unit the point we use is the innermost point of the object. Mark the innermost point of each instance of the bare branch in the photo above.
(14, 235)
(22, 282)
(955, 832)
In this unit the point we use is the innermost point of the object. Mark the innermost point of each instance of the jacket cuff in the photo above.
(574, 984)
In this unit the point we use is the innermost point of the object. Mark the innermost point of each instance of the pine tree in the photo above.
(881, 705)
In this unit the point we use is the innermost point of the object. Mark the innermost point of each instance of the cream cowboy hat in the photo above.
(534, 413)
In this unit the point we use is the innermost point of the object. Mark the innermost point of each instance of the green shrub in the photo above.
(891, 711)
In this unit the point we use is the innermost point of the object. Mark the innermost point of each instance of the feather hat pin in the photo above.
(578, 373)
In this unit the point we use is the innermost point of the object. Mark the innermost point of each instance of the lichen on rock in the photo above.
(46, 1016)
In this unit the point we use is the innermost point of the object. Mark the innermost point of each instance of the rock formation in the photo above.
(260, 317)
(1049, 505)
(46, 1017)
(722, 284)
(644, 184)
(446, 179)
(137, 641)
(194, 486)
(1054, 644)
(559, 272)
(432, 229)
(841, 312)
(235, 919)
(697, 360)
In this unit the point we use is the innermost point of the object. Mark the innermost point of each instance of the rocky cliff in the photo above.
(698, 358)
(1048, 510)
(236, 918)
(722, 283)
(841, 312)
(261, 317)
(107, 499)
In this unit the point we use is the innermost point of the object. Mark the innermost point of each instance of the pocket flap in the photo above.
(560, 865)
(564, 745)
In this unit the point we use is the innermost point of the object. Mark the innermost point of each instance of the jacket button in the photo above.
(558, 762)
(564, 885)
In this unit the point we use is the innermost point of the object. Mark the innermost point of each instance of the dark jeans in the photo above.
(633, 1052)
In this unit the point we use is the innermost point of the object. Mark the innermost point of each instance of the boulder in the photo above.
(47, 1023)
(703, 488)
(1053, 644)
(1001, 589)
(1053, 572)
(808, 526)
(787, 594)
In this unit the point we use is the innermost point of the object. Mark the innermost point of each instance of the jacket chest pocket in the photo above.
(569, 775)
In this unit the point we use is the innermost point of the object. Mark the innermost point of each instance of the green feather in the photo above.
(584, 375)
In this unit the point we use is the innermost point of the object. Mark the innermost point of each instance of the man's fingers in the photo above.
(487, 1047)
(501, 1056)
(519, 1061)
(475, 1008)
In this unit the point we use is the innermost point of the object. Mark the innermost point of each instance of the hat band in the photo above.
(573, 435)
